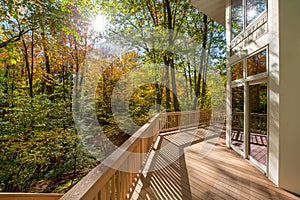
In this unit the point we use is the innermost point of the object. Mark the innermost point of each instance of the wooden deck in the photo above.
(221, 174)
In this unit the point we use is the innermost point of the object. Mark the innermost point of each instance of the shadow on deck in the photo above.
(196, 164)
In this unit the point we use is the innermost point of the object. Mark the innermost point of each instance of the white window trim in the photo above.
(245, 26)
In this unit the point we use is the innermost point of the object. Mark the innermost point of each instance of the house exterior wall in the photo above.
(289, 106)
(282, 41)
(260, 34)
(277, 30)
(274, 79)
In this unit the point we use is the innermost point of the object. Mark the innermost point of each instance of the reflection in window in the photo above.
(237, 71)
(254, 8)
(237, 122)
(236, 17)
(258, 103)
(257, 63)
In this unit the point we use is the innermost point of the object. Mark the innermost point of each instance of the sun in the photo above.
(99, 23)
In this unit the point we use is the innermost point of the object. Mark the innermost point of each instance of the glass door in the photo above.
(258, 123)
(249, 104)
(237, 126)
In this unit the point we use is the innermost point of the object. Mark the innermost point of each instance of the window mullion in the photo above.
(244, 14)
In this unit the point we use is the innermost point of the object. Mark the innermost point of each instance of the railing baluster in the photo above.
(118, 183)
(122, 183)
(107, 190)
(113, 189)
(102, 193)
(126, 185)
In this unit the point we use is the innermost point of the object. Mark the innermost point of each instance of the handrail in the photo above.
(29, 196)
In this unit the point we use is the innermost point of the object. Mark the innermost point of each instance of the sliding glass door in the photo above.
(258, 123)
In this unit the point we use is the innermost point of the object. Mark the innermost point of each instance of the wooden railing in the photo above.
(116, 179)
(29, 196)
(113, 182)
(178, 120)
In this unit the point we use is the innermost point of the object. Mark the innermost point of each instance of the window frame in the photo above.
(245, 26)
(252, 78)
(243, 69)
(259, 75)
(246, 82)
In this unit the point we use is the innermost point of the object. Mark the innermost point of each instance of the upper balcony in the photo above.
(179, 155)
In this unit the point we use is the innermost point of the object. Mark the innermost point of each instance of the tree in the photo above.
(37, 133)
(148, 15)
(46, 51)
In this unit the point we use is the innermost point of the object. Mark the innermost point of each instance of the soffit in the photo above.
(215, 9)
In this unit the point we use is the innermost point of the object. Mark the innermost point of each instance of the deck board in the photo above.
(221, 174)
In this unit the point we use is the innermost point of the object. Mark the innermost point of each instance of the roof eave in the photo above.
(215, 9)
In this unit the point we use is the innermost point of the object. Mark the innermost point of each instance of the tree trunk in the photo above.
(63, 82)
(49, 88)
(158, 91)
(190, 77)
(202, 60)
(32, 58)
(204, 85)
(28, 68)
(167, 86)
(186, 81)
(174, 87)
(6, 89)
(158, 88)
(171, 56)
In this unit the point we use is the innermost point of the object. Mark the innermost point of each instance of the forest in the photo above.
(64, 61)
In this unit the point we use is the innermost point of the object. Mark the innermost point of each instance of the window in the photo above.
(257, 63)
(249, 107)
(258, 122)
(237, 122)
(236, 17)
(252, 9)
(254, 65)
(237, 71)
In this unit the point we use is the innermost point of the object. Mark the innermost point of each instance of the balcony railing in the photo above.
(118, 180)
(29, 196)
